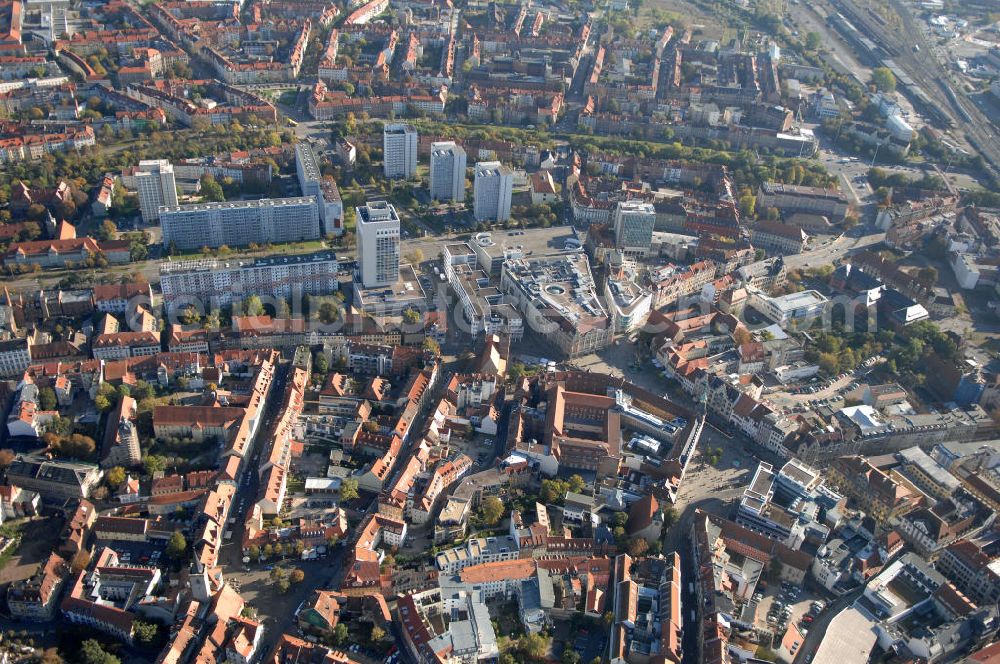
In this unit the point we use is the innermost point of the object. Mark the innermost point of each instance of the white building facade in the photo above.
(399, 151)
(492, 191)
(239, 223)
(222, 282)
(447, 171)
(633, 223)
(378, 244)
(156, 186)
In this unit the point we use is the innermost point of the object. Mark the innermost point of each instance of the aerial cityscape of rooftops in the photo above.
(499, 332)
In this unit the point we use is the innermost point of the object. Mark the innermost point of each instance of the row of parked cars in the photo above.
(781, 608)
(125, 558)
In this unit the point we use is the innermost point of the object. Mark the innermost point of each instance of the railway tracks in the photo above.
(904, 50)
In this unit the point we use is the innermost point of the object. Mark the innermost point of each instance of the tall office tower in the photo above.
(378, 244)
(491, 190)
(399, 151)
(633, 224)
(156, 185)
(447, 171)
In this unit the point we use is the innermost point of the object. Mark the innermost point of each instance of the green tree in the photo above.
(210, 189)
(91, 652)
(340, 634)
(576, 483)
(329, 312)
(637, 547)
(115, 477)
(377, 634)
(76, 445)
(102, 403)
(252, 306)
(31, 230)
(411, 316)
(143, 390)
(884, 79)
(569, 656)
(553, 491)
(813, 40)
(533, 646)
(107, 231)
(670, 517)
(153, 463)
(828, 363)
(145, 633)
(493, 510)
(47, 398)
(189, 315)
(349, 489)
(177, 546)
(321, 364)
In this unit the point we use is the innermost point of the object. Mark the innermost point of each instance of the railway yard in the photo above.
(900, 44)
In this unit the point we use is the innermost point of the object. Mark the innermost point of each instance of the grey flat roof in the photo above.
(213, 264)
(229, 205)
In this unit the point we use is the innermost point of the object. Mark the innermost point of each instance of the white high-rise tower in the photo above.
(399, 151)
(156, 185)
(447, 171)
(492, 191)
(378, 244)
